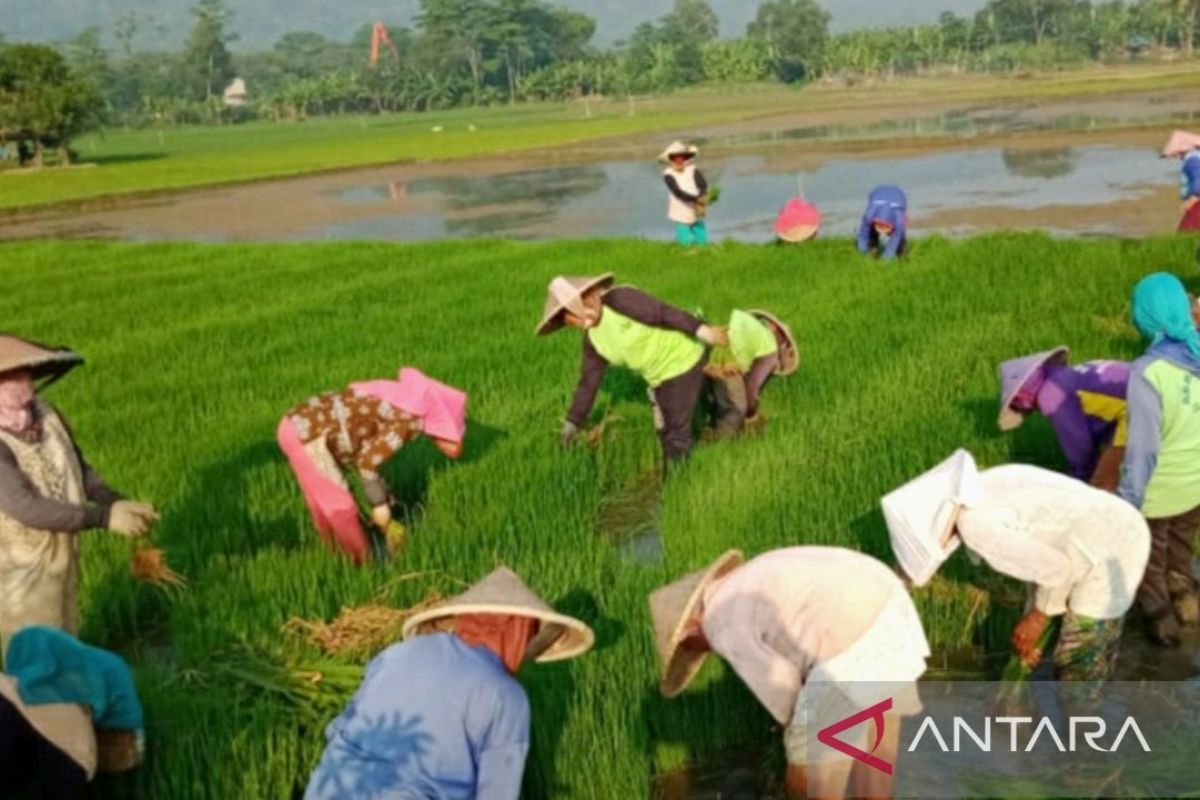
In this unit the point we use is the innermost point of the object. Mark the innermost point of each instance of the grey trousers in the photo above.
(675, 408)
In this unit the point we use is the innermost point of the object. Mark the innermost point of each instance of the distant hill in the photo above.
(260, 22)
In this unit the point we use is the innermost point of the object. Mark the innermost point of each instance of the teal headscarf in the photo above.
(54, 667)
(1161, 310)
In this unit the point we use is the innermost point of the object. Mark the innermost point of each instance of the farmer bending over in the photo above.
(362, 427)
(66, 711)
(809, 629)
(884, 227)
(48, 495)
(624, 327)
(1085, 404)
(1186, 147)
(760, 347)
(441, 714)
(1082, 550)
(1161, 473)
(687, 203)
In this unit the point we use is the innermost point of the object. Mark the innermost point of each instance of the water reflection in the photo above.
(549, 187)
(1055, 162)
(960, 123)
(627, 198)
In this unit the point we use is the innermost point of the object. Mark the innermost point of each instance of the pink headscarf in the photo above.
(442, 408)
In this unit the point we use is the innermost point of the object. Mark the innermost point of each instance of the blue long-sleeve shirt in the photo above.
(1189, 176)
(885, 204)
(1161, 472)
(434, 719)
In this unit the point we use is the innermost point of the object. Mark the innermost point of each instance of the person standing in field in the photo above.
(624, 327)
(1085, 404)
(1082, 551)
(361, 427)
(49, 494)
(67, 711)
(760, 347)
(814, 632)
(687, 203)
(442, 715)
(883, 230)
(1161, 472)
(1186, 147)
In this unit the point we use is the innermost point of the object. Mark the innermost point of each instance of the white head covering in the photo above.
(921, 515)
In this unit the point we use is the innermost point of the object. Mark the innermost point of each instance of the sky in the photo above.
(260, 22)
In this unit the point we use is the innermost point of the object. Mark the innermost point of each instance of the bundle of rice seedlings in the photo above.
(1014, 691)
(312, 688)
(395, 536)
(357, 631)
(149, 565)
(595, 436)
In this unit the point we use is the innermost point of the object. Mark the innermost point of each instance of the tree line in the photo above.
(485, 52)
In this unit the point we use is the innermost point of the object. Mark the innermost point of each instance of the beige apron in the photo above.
(39, 570)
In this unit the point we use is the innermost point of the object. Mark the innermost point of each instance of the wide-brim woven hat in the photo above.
(566, 294)
(1014, 374)
(67, 726)
(789, 356)
(678, 148)
(671, 609)
(1180, 144)
(503, 592)
(47, 363)
(797, 233)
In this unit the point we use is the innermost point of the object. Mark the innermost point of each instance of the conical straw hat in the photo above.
(678, 148)
(503, 592)
(67, 726)
(45, 362)
(1013, 375)
(1180, 144)
(566, 294)
(671, 609)
(789, 358)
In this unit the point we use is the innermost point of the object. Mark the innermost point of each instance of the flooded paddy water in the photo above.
(1072, 167)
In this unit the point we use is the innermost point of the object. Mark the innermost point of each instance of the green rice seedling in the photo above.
(181, 408)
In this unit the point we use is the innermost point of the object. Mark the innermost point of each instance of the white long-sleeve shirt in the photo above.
(779, 615)
(1084, 549)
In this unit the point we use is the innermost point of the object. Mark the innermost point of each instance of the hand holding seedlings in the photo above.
(131, 518)
(1026, 637)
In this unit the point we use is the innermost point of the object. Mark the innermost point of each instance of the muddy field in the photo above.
(1072, 167)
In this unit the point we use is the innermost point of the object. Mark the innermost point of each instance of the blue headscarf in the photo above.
(54, 667)
(1161, 310)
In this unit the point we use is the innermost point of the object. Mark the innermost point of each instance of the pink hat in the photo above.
(1180, 144)
(442, 408)
(798, 221)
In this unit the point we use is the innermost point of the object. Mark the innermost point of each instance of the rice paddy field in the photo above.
(194, 352)
(119, 162)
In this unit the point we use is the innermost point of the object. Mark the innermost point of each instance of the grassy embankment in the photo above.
(195, 351)
(131, 162)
